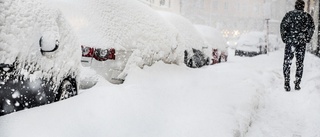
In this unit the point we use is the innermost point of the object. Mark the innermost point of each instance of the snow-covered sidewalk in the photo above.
(240, 98)
(291, 114)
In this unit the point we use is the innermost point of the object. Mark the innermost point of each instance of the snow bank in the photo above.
(242, 97)
(147, 104)
(22, 24)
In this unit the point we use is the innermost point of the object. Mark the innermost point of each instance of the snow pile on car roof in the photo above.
(130, 25)
(188, 35)
(251, 41)
(213, 37)
(254, 38)
(22, 24)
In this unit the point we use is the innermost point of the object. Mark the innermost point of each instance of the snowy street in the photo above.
(159, 68)
(240, 98)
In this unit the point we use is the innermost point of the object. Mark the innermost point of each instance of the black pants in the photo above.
(292, 50)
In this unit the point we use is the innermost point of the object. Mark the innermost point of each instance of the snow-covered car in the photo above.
(217, 45)
(189, 39)
(39, 57)
(140, 38)
(89, 77)
(251, 44)
(254, 43)
(197, 59)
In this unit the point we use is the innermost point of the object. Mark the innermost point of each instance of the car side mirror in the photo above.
(48, 44)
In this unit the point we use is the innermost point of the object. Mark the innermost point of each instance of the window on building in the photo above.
(164, 3)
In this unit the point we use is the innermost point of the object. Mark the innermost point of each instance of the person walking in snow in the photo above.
(296, 29)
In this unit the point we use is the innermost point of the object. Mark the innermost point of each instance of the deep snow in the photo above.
(242, 97)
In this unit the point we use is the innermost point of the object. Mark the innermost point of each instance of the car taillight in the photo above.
(111, 54)
(87, 51)
(98, 53)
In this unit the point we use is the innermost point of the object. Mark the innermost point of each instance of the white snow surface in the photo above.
(188, 36)
(213, 37)
(242, 97)
(251, 41)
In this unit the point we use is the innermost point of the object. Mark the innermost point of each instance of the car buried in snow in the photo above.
(217, 47)
(39, 58)
(251, 44)
(254, 43)
(94, 57)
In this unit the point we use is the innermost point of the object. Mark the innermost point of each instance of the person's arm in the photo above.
(310, 28)
(284, 28)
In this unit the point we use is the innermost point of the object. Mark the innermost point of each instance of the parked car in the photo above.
(90, 56)
(39, 58)
(254, 43)
(216, 44)
(251, 44)
(196, 60)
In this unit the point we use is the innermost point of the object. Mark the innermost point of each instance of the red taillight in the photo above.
(98, 53)
(111, 54)
(215, 56)
(87, 51)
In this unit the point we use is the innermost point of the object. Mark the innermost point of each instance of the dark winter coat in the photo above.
(297, 27)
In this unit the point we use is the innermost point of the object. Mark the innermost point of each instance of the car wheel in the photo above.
(66, 90)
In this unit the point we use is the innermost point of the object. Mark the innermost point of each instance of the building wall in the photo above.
(165, 5)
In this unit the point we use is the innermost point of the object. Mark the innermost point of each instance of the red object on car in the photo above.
(87, 51)
(215, 55)
(98, 53)
(111, 54)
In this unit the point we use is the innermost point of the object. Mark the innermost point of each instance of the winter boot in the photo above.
(297, 85)
(287, 86)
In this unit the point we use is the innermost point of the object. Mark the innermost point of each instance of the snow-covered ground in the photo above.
(242, 97)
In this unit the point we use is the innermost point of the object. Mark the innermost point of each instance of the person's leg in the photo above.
(288, 56)
(300, 54)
